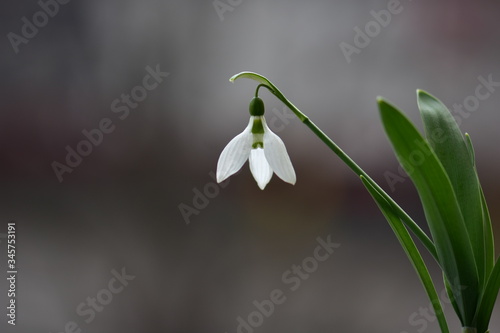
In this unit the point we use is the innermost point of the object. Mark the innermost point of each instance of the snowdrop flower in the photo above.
(265, 151)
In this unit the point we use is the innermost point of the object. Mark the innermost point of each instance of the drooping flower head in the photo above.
(265, 151)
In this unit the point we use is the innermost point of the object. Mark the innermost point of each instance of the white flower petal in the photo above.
(261, 170)
(277, 156)
(235, 154)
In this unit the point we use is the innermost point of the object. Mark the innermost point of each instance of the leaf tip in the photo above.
(424, 96)
(381, 100)
(384, 106)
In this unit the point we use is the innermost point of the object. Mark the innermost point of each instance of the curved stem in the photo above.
(360, 172)
(263, 85)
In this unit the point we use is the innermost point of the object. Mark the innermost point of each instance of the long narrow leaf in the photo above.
(470, 147)
(489, 243)
(445, 138)
(411, 251)
(449, 292)
(488, 299)
(440, 206)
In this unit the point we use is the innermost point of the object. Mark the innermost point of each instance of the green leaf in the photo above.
(449, 292)
(470, 147)
(440, 207)
(411, 251)
(488, 299)
(489, 243)
(446, 140)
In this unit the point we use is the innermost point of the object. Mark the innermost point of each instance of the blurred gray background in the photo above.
(120, 207)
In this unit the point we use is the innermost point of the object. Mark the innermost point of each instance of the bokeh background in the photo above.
(120, 208)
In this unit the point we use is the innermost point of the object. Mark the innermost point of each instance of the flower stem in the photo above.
(262, 85)
(360, 172)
